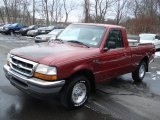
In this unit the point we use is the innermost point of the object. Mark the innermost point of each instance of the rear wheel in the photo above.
(140, 72)
(75, 93)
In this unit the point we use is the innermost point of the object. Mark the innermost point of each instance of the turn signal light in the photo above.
(45, 77)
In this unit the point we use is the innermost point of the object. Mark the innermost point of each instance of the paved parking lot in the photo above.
(119, 99)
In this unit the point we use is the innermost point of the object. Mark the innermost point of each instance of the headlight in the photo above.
(44, 69)
(44, 38)
(8, 58)
(46, 72)
(35, 31)
(6, 28)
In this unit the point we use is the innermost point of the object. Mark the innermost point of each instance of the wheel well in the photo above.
(146, 60)
(89, 75)
(11, 30)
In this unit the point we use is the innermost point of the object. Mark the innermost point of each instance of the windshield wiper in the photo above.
(78, 42)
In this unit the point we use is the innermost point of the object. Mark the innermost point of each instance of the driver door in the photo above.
(112, 61)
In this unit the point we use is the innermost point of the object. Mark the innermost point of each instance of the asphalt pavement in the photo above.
(119, 99)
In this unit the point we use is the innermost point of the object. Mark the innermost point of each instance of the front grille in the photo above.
(22, 66)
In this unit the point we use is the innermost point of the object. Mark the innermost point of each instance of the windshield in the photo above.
(86, 34)
(147, 37)
(14, 24)
(50, 27)
(31, 26)
(42, 28)
(55, 32)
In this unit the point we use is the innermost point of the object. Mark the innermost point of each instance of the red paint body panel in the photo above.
(71, 58)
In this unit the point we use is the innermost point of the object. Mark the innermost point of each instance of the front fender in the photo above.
(70, 69)
(82, 67)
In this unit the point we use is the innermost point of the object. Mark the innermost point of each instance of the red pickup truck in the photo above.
(82, 56)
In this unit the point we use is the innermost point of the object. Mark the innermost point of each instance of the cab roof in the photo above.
(101, 25)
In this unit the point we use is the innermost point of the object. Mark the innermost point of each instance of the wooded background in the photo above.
(136, 15)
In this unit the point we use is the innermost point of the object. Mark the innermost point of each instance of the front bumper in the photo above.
(157, 47)
(5, 31)
(23, 32)
(33, 34)
(32, 85)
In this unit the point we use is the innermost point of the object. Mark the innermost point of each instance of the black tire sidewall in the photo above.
(69, 89)
(136, 76)
(11, 32)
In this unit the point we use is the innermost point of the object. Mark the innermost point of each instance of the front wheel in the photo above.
(12, 32)
(75, 93)
(140, 72)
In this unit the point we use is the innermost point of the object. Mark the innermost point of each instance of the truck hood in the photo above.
(54, 53)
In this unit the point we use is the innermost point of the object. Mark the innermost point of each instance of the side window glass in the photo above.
(18, 25)
(115, 36)
(157, 37)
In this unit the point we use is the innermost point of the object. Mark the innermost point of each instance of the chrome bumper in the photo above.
(32, 85)
(40, 40)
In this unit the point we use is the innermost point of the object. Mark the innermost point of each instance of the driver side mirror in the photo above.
(111, 45)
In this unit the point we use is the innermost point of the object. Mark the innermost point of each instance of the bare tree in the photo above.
(1, 15)
(6, 9)
(136, 8)
(68, 8)
(58, 11)
(52, 11)
(55, 11)
(27, 19)
(86, 10)
(46, 11)
(120, 10)
(33, 18)
(101, 7)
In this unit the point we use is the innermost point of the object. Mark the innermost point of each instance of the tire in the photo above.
(140, 72)
(11, 32)
(23, 34)
(69, 95)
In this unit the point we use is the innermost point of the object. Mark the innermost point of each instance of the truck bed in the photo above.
(140, 50)
(134, 43)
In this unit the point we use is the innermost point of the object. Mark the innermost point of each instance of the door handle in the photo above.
(96, 61)
(125, 54)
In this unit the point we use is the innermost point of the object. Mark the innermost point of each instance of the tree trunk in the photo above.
(6, 9)
(86, 11)
(2, 16)
(66, 19)
(33, 19)
(46, 6)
